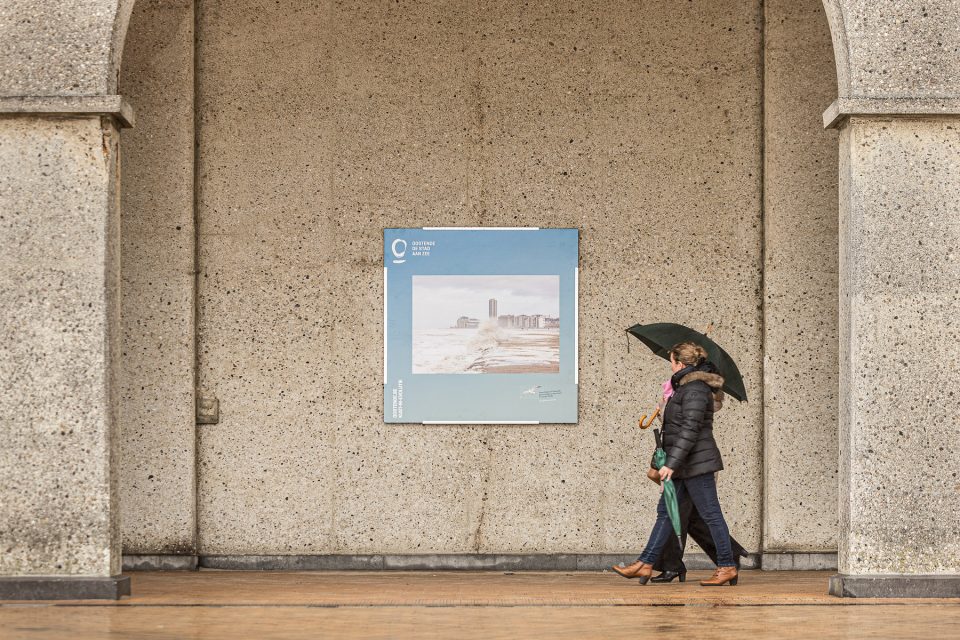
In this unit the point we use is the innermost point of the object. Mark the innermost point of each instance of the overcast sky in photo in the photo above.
(439, 300)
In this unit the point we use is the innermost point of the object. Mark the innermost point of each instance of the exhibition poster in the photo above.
(480, 325)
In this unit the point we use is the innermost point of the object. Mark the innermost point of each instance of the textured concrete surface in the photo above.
(157, 473)
(800, 282)
(63, 48)
(114, 106)
(497, 115)
(600, 117)
(840, 108)
(899, 295)
(896, 48)
(59, 229)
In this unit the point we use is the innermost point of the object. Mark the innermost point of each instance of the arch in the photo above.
(838, 34)
(47, 50)
(119, 36)
(896, 51)
(86, 46)
(869, 54)
(214, 27)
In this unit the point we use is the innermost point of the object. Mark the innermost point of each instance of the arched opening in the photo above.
(276, 141)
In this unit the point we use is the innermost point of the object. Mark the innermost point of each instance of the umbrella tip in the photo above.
(708, 329)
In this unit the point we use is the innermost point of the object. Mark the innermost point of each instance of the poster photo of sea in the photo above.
(480, 325)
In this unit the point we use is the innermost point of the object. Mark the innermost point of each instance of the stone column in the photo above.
(59, 302)
(899, 118)
(899, 347)
(59, 322)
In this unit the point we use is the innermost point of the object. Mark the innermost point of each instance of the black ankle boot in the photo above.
(668, 576)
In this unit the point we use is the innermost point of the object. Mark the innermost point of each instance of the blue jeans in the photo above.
(702, 491)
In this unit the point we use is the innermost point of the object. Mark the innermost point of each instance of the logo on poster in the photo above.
(399, 249)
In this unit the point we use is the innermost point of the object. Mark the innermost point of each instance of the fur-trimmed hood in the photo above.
(713, 380)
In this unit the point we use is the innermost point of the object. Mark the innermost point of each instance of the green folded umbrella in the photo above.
(669, 490)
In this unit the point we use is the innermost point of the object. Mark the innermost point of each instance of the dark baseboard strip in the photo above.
(163, 562)
(294, 563)
(774, 561)
(442, 562)
(895, 586)
(457, 562)
(63, 588)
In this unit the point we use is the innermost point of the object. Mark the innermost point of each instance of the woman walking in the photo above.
(692, 460)
(670, 563)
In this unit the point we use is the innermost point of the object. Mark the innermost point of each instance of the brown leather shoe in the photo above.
(721, 576)
(639, 570)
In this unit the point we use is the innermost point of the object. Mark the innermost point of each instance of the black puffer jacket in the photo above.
(688, 422)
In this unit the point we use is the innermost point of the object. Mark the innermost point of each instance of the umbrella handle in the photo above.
(644, 423)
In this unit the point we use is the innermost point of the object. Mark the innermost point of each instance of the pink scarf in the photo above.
(667, 391)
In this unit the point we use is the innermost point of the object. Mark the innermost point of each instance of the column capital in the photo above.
(108, 105)
(893, 107)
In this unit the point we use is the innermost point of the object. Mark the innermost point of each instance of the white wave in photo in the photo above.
(486, 324)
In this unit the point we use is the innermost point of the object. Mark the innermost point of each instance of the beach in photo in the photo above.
(486, 324)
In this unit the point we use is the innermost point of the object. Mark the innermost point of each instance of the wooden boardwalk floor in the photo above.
(232, 604)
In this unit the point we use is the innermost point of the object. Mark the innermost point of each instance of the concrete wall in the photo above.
(800, 282)
(158, 477)
(321, 124)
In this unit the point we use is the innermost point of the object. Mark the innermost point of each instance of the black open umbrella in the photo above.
(661, 336)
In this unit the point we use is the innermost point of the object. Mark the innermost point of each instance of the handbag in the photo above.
(653, 473)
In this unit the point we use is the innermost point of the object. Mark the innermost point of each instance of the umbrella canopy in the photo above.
(661, 336)
(669, 489)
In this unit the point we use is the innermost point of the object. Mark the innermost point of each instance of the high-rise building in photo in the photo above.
(493, 308)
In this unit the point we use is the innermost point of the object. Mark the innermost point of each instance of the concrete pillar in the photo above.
(59, 314)
(59, 297)
(899, 356)
(899, 119)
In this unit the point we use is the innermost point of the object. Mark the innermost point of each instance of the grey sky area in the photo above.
(439, 300)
